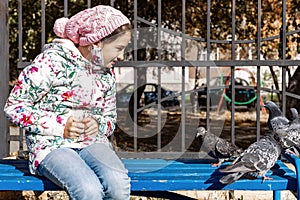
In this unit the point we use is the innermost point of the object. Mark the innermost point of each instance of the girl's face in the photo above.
(114, 50)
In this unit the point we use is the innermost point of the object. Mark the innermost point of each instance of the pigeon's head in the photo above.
(270, 105)
(201, 131)
(273, 108)
(294, 113)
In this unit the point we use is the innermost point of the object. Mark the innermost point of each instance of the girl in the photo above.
(65, 100)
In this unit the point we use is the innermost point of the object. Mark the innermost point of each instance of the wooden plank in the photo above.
(4, 68)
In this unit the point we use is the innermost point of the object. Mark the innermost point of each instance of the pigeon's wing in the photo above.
(279, 122)
(259, 156)
(257, 159)
(209, 144)
(268, 153)
(267, 161)
(294, 137)
(225, 148)
(289, 136)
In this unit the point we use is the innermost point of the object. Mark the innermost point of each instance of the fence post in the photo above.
(4, 74)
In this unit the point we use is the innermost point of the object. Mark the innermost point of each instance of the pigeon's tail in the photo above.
(230, 178)
(237, 167)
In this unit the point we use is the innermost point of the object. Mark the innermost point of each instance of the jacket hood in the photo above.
(66, 49)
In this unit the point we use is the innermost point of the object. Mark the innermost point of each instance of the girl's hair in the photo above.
(117, 33)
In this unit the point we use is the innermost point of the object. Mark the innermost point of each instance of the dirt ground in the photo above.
(172, 124)
(171, 134)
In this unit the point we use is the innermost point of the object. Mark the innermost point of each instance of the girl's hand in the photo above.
(74, 127)
(91, 126)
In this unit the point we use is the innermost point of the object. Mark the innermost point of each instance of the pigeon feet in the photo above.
(266, 178)
(216, 164)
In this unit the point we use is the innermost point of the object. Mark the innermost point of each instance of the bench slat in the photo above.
(199, 174)
(163, 185)
(20, 183)
(11, 172)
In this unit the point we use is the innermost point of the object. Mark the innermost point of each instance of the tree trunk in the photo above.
(275, 82)
(293, 87)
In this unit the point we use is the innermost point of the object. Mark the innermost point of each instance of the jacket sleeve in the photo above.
(105, 113)
(23, 106)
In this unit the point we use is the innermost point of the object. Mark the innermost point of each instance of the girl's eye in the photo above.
(120, 48)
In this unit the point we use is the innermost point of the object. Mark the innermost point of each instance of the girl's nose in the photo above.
(121, 56)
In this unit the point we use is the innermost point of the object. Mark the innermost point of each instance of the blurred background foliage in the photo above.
(171, 18)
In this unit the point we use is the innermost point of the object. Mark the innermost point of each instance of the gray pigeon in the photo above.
(289, 136)
(256, 160)
(276, 118)
(217, 147)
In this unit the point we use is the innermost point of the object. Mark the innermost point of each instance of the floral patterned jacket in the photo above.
(58, 84)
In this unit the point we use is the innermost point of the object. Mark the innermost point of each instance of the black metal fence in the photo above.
(154, 131)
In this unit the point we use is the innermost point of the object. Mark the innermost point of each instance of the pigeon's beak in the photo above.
(265, 105)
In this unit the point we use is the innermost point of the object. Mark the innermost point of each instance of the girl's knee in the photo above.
(120, 190)
(86, 191)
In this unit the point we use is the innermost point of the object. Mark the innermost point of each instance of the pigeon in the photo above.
(256, 160)
(289, 136)
(217, 147)
(276, 118)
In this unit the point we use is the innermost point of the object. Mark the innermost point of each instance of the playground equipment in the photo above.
(224, 96)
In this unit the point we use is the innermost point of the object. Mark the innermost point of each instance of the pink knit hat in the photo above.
(90, 25)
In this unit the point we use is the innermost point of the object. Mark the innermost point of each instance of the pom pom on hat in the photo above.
(90, 25)
(59, 27)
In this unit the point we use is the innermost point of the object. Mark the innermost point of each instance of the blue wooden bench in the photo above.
(159, 175)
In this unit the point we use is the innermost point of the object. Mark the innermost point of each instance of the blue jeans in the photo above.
(94, 172)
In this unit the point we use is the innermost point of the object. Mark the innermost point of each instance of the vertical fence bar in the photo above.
(20, 32)
(258, 70)
(183, 79)
(20, 56)
(43, 21)
(283, 56)
(159, 77)
(4, 65)
(208, 67)
(232, 71)
(65, 8)
(135, 79)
